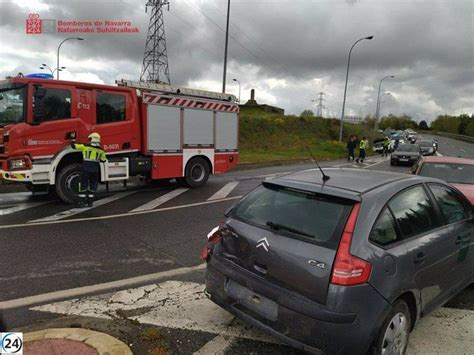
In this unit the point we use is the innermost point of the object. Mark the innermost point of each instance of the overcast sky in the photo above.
(288, 50)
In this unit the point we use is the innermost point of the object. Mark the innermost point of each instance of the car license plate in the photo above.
(251, 300)
(403, 159)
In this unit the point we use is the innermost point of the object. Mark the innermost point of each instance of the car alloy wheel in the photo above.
(396, 335)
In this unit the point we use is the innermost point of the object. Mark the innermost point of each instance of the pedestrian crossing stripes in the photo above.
(224, 191)
(21, 207)
(217, 191)
(160, 200)
(74, 211)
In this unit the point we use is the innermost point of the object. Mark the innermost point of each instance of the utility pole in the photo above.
(155, 59)
(226, 47)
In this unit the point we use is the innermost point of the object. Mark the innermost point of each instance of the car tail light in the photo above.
(349, 270)
(213, 237)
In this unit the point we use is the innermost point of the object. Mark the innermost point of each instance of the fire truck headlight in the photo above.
(17, 164)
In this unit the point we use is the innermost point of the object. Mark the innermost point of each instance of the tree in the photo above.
(423, 125)
(307, 114)
(464, 121)
(470, 128)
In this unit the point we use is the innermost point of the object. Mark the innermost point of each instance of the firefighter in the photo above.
(92, 154)
(386, 144)
(363, 146)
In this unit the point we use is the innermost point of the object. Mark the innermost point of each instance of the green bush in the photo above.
(268, 136)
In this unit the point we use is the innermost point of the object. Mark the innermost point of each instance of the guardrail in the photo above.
(459, 137)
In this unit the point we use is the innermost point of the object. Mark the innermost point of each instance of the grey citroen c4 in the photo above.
(342, 266)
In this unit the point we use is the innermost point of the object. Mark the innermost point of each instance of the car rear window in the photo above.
(454, 173)
(407, 148)
(316, 218)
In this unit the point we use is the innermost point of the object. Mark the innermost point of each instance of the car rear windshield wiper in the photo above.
(277, 226)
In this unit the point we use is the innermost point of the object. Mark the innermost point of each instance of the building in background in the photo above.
(267, 108)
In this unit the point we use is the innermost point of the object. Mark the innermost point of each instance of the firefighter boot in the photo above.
(90, 199)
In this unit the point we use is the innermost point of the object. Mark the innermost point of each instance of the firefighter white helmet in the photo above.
(94, 137)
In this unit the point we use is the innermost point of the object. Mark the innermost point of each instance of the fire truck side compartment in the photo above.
(226, 131)
(164, 128)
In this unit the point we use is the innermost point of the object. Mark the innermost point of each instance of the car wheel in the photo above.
(395, 331)
(392, 163)
(197, 172)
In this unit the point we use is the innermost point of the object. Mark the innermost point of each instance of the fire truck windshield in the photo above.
(12, 103)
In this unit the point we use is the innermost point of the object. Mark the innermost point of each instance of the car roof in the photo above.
(437, 159)
(346, 183)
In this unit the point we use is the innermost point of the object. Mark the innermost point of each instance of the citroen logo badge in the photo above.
(263, 243)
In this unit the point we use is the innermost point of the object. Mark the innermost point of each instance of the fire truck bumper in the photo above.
(19, 176)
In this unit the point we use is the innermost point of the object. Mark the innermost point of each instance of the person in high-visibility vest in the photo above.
(92, 154)
(386, 144)
(363, 146)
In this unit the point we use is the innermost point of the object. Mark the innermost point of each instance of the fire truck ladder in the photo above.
(171, 89)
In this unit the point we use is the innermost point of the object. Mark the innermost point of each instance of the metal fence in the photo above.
(459, 137)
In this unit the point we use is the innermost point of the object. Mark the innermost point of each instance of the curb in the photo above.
(103, 343)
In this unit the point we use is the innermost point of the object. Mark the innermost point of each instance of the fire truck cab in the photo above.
(152, 130)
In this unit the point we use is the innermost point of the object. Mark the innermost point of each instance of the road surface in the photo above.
(90, 263)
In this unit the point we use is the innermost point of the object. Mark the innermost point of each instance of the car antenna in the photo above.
(325, 177)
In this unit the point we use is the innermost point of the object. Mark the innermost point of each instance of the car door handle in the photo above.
(420, 257)
(260, 268)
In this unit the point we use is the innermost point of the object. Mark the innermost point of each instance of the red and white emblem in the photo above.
(33, 24)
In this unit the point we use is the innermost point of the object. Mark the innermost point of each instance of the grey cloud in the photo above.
(428, 45)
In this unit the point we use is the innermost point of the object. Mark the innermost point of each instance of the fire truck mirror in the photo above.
(39, 105)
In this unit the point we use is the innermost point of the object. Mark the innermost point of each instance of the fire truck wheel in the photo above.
(197, 172)
(67, 183)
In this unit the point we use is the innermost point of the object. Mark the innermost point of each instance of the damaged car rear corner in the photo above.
(340, 266)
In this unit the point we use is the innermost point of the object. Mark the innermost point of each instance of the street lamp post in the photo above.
(239, 87)
(59, 47)
(377, 106)
(360, 110)
(345, 87)
(226, 47)
(380, 104)
(46, 66)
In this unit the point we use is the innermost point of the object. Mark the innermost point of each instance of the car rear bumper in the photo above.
(409, 160)
(299, 322)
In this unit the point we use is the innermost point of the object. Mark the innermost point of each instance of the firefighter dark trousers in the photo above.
(90, 175)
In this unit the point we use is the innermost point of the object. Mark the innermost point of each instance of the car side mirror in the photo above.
(39, 108)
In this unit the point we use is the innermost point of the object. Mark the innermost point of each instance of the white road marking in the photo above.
(380, 162)
(104, 287)
(462, 150)
(224, 191)
(170, 304)
(21, 207)
(183, 305)
(74, 211)
(121, 215)
(12, 197)
(218, 345)
(160, 200)
(439, 154)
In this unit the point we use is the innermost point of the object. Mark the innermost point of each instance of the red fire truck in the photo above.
(151, 130)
